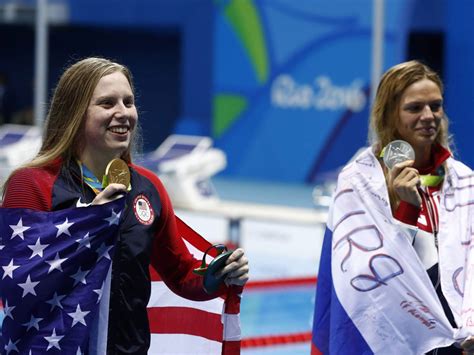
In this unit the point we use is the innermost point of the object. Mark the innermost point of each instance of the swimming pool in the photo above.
(275, 313)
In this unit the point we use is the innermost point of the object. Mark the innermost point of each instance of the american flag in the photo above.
(55, 272)
(54, 265)
(181, 326)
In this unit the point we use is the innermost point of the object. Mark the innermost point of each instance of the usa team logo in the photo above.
(143, 210)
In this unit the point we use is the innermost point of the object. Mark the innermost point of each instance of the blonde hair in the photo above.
(65, 121)
(385, 111)
(66, 117)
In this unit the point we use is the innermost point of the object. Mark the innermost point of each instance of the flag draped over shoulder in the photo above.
(181, 326)
(374, 295)
(55, 284)
(54, 268)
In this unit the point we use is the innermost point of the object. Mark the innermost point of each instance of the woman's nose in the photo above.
(427, 113)
(120, 109)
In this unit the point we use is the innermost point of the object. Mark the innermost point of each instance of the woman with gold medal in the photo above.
(89, 133)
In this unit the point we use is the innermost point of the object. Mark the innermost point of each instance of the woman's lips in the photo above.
(427, 130)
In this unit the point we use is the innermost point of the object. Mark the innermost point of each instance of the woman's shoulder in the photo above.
(46, 173)
(30, 187)
(460, 168)
(31, 174)
(150, 175)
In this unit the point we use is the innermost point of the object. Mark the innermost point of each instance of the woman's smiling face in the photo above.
(420, 114)
(111, 117)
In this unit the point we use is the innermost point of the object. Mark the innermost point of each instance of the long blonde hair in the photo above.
(67, 113)
(64, 124)
(385, 111)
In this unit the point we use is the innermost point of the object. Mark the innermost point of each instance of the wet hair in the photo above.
(64, 126)
(384, 118)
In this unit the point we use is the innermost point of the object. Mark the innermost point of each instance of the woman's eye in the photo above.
(106, 103)
(414, 108)
(435, 107)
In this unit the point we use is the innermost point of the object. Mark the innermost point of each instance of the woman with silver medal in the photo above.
(408, 113)
(399, 225)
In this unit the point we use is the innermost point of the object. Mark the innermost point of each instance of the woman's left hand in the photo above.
(468, 346)
(236, 269)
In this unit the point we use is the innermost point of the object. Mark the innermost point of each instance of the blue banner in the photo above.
(291, 83)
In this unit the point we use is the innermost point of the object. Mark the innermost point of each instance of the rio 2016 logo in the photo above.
(323, 95)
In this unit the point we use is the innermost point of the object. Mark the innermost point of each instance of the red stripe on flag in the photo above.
(184, 320)
(154, 276)
(194, 238)
(315, 350)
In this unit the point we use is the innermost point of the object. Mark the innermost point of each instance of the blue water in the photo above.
(276, 311)
(272, 193)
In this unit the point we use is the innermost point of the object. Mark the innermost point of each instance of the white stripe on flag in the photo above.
(196, 252)
(232, 330)
(162, 296)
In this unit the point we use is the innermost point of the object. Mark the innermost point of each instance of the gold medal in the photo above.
(117, 172)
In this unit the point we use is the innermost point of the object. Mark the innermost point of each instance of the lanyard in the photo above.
(431, 180)
(90, 179)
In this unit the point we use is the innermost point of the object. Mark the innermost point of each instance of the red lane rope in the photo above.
(270, 340)
(300, 281)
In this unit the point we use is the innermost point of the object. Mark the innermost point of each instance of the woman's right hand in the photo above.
(110, 193)
(404, 181)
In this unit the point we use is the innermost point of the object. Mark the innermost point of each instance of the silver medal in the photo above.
(396, 152)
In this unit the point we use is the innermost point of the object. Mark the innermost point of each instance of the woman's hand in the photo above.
(236, 269)
(110, 193)
(468, 346)
(404, 181)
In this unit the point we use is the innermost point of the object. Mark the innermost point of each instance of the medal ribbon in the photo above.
(431, 180)
(90, 179)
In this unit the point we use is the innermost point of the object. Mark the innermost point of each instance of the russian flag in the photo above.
(374, 295)
(333, 330)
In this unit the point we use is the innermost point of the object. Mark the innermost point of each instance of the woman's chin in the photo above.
(117, 150)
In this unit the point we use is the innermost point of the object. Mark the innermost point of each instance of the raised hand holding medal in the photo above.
(117, 174)
(404, 180)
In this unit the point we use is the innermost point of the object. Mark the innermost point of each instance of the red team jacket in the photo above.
(148, 236)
